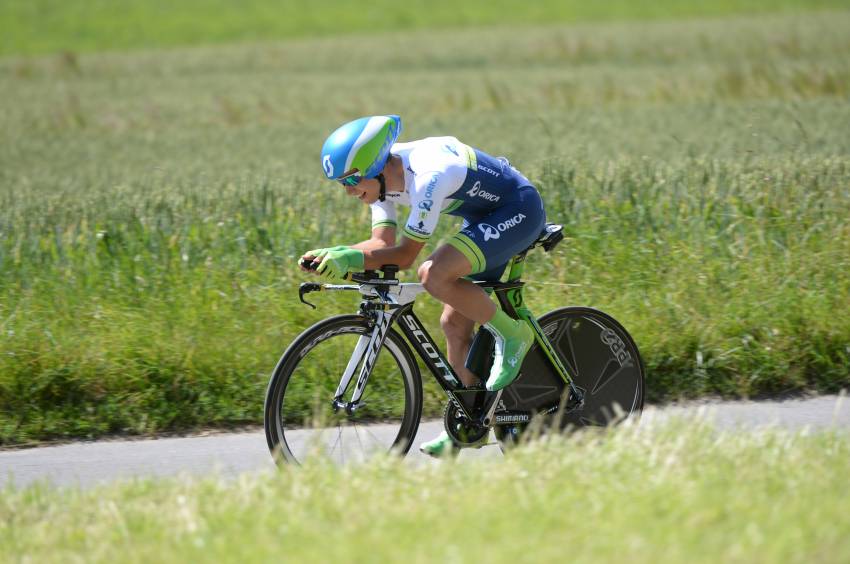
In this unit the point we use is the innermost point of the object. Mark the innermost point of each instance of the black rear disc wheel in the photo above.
(605, 365)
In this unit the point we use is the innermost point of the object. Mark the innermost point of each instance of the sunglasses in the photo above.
(352, 179)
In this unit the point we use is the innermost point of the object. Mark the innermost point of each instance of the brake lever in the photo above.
(306, 288)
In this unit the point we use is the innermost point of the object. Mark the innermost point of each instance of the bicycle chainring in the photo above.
(462, 431)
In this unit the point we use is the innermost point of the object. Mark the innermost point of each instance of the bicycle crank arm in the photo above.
(489, 408)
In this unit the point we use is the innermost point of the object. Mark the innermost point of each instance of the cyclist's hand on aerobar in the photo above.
(314, 257)
(310, 260)
(333, 261)
(337, 263)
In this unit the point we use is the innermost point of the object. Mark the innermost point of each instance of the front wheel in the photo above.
(604, 362)
(300, 420)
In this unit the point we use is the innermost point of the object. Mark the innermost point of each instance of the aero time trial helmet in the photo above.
(360, 147)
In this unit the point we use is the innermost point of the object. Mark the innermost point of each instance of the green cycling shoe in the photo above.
(513, 339)
(443, 445)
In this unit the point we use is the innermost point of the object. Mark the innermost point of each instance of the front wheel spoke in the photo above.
(341, 446)
(338, 440)
(357, 434)
(374, 436)
(307, 377)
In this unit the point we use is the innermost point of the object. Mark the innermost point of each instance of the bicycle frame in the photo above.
(512, 301)
(387, 301)
(386, 305)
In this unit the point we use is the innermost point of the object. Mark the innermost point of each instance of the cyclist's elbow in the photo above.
(405, 264)
(408, 256)
(408, 250)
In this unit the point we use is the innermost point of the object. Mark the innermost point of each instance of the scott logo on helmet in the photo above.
(491, 232)
(477, 191)
(363, 143)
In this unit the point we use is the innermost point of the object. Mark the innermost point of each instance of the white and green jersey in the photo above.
(442, 175)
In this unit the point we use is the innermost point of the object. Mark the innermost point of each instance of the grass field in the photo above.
(673, 492)
(152, 202)
(45, 26)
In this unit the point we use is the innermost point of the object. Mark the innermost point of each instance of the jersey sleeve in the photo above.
(384, 214)
(426, 200)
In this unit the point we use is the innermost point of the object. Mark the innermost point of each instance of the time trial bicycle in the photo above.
(349, 386)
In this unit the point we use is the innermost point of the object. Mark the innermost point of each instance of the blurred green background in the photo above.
(44, 26)
(159, 175)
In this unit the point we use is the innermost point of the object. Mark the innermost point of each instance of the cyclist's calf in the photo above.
(458, 329)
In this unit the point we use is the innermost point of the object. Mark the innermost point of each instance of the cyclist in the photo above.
(502, 212)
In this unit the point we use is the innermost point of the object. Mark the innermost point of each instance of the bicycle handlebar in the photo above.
(360, 278)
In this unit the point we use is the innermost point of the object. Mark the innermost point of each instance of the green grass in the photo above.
(45, 26)
(152, 204)
(674, 492)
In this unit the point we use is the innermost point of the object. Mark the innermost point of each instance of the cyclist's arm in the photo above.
(382, 237)
(402, 254)
(428, 193)
(381, 248)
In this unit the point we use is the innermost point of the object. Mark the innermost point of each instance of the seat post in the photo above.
(516, 267)
(551, 235)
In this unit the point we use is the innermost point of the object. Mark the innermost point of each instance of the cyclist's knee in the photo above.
(423, 270)
(430, 277)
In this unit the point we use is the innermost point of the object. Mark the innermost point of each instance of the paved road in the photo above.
(230, 454)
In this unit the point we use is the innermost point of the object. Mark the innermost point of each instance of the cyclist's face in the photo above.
(367, 191)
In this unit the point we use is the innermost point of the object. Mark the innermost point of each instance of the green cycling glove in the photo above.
(320, 253)
(337, 262)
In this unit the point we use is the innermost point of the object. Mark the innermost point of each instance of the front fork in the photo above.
(368, 347)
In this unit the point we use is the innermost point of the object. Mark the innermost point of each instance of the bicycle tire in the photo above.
(291, 430)
(604, 362)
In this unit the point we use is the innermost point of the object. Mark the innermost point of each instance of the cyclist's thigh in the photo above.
(490, 241)
(448, 263)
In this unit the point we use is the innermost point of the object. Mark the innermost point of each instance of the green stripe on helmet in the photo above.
(371, 150)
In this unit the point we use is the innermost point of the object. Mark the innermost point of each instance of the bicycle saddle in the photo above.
(549, 238)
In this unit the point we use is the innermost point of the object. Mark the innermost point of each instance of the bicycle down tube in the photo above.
(366, 351)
